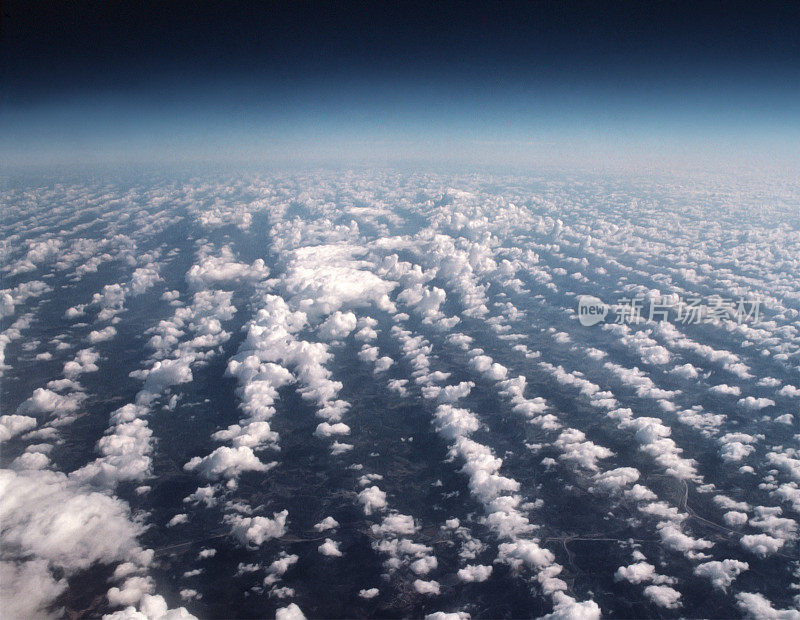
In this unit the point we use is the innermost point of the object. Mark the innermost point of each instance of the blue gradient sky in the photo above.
(580, 84)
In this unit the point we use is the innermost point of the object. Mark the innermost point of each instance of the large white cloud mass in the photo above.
(396, 360)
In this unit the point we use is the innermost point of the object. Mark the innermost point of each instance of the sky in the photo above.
(504, 84)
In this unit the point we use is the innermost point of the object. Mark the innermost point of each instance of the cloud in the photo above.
(453, 422)
(253, 435)
(735, 519)
(663, 596)
(368, 593)
(330, 548)
(204, 495)
(640, 572)
(290, 612)
(279, 567)
(761, 545)
(40, 586)
(577, 449)
(255, 531)
(723, 389)
(448, 393)
(321, 279)
(225, 462)
(721, 574)
(429, 588)
(567, 608)
(178, 520)
(424, 565)
(757, 607)
(48, 401)
(372, 499)
(615, 480)
(83, 362)
(490, 369)
(328, 523)
(474, 573)
(395, 524)
(675, 540)
(224, 269)
(103, 335)
(338, 325)
(754, 404)
(324, 429)
(52, 524)
(12, 425)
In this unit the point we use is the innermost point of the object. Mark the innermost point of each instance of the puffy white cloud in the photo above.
(328, 523)
(663, 596)
(151, 606)
(252, 435)
(382, 364)
(567, 608)
(735, 519)
(761, 545)
(786, 462)
(338, 325)
(143, 278)
(674, 539)
(526, 552)
(395, 524)
(290, 612)
(640, 572)
(429, 588)
(368, 593)
(615, 480)
(102, 335)
(31, 460)
(789, 391)
(204, 495)
(751, 403)
(178, 520)
(325, 429)
(424, 565)
(164, 374)
(424, 300)
(372, 499)
(577, 449)
(84, 361)
(12, 425)
(453, 422)
(721, 574)
(330, 548)
(731, 390)
(51, 523)
(640, 493)
(326, 278)
(474, 573)
(489, 368)
(685, 371)
(225, 462)
(47, 401)
(224, 269)
(279, 567)
(736, 446)
(757, 607)
(448, 393)
(41, 589)
(133, 589)
(111, 301)
(255, 531)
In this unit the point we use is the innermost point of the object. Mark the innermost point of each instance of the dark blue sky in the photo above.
(503, 83)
